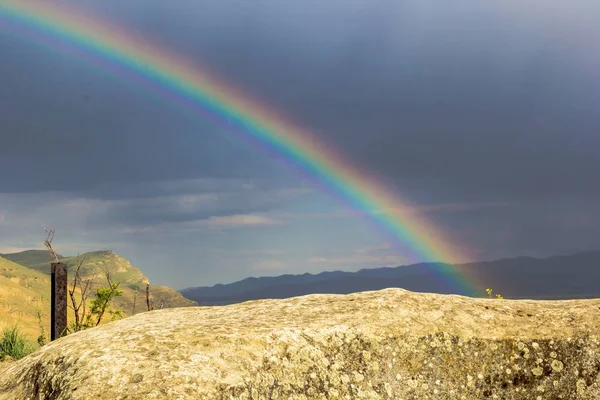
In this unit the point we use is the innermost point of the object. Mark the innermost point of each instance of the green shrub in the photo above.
(14, 344)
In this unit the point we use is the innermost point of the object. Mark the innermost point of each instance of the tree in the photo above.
(84, 286)
(100, 305)
(102, 302)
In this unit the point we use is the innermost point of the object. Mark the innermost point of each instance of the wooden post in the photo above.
(58, 303)
(134, 300)
(148, 295)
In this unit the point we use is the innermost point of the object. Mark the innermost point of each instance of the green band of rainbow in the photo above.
(179, 76)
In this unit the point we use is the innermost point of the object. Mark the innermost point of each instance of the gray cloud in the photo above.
(178, 208)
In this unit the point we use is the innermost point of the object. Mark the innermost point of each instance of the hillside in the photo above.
(29, 258)
(26, 288)
(23, 292)
(388, 344)
(560, 277)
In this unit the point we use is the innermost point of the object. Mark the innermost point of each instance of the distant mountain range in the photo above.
(559, 277)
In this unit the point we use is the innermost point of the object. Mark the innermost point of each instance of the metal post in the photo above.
(58, 312)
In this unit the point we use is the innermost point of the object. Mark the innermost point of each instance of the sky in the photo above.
(482, 115)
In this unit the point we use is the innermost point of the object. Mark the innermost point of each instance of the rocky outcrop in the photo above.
(389, 344)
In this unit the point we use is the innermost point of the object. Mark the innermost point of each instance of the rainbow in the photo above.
(193, 86)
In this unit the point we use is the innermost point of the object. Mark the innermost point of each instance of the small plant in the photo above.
(42, 338)
(14, 344)
(490, 291)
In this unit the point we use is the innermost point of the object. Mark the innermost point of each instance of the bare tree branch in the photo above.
(48, 244)
(79, 309)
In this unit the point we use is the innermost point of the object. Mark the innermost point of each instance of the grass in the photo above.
(14, 344)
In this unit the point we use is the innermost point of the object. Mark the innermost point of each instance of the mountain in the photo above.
(554, 278)
(25, 286)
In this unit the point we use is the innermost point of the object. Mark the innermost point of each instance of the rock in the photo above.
(388, 344)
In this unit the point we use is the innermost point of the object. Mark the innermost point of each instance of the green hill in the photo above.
(25, 286)
(30, 258)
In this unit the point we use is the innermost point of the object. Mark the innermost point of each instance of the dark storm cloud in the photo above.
(66, 126)
(468, 101)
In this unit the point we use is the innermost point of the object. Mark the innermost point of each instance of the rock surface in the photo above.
(388, 344)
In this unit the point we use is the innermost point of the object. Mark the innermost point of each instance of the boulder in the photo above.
(388, 344)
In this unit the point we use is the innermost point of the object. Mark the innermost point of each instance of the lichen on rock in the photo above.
(388, 344)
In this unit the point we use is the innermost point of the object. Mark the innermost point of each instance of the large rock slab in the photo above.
(388, 344)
